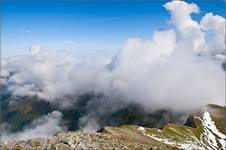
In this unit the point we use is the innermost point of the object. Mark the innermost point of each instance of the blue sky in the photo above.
(86, 27)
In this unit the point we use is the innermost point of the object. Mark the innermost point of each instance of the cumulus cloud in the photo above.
(41, 127)
(188, 29)
(214, 25)
(171, 69)
(181, 13)
(138, 53)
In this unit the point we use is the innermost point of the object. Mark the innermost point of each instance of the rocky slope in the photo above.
(203, 130)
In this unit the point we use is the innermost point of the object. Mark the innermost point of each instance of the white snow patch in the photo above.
(141, 129)
(210, 134)
(187, 146)
(210, 131)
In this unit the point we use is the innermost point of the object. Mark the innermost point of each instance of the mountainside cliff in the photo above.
(203, 130)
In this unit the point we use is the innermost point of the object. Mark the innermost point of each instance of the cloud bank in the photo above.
(175, 68)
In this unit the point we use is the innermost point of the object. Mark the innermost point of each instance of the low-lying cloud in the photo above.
(41, 127)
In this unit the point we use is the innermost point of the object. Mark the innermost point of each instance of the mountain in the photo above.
(203, 130)
(19, 112)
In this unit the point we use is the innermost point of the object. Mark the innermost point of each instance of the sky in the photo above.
(176, 55)
(83, 27)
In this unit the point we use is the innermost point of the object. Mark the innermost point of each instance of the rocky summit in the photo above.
(203, 130)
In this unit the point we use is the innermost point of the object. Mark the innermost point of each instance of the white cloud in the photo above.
(35, 48)
(137, 52)
(187, 28)
(216, 25)
(159, 72)
(181, 13)
(23, 30)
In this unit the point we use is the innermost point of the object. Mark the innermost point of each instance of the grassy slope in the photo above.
(21, 113)
(180, 136)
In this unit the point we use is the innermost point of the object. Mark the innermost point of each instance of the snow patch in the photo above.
(141, 129)
(211, 132)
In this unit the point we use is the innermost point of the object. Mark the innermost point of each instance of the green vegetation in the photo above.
(19, 113)
(208, 133)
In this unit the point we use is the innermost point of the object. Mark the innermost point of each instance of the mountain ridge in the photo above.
(208, 134)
